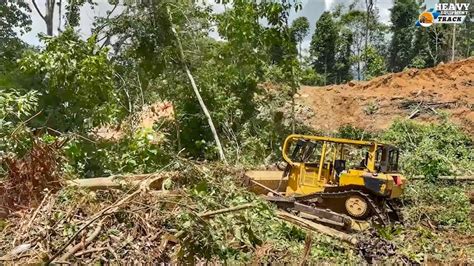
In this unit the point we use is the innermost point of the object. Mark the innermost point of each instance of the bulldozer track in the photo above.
(381, 216)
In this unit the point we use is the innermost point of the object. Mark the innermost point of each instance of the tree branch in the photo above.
(37, 10)
(226, 210)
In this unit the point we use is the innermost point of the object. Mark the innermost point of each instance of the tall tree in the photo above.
(226, 73)
(300, 29)
(343, 57)
(369, 8)
(465, 36)
(354, 21)
(72, 12)
(432, 45)
(14, 20)
(403, 16)
(323, 46)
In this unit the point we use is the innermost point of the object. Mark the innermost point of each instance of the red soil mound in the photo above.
(419, 94)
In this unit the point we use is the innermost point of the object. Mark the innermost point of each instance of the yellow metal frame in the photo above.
(372, 144)
(300, 181)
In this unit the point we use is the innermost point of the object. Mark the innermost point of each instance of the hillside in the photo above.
(373, 105)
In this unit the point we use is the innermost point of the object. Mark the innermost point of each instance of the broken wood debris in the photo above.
(317, 227)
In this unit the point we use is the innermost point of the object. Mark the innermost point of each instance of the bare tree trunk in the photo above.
(358, 64)
(294, 87)
(434, 56)
(454, 39)
(369, 5)
(48, 15)
(60, 3)
(196, 91)
(325, 71)
(50, 4)
(453, 50)
(293, 111)
(301, 56)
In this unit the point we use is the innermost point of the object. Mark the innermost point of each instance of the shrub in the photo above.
(432, 150)
(351, 132)
(309, 77)
(441, 204)
(143, 151)
(15, 108)
(76, 82)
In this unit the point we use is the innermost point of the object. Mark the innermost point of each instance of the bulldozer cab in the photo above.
(318, 162)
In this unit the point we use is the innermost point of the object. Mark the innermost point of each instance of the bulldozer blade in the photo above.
(268, 181)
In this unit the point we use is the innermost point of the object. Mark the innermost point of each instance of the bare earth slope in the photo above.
(373, 105)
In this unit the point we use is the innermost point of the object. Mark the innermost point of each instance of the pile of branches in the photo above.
(77, 225)
(29, 176)
(203, 216)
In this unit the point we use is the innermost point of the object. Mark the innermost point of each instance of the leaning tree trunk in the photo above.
(196, 91)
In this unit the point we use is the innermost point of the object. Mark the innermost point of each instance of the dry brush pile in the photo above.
(29, 176)
(201, 214)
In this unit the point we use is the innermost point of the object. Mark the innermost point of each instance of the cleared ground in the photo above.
(375, 104)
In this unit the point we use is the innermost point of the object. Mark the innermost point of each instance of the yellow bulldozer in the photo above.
(334, 180)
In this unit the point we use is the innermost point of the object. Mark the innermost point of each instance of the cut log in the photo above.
(413, 114)
(155, 181)
(317, 227)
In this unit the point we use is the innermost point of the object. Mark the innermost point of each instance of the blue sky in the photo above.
(312, 9)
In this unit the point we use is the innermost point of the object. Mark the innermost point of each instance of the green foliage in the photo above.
(249, 228)
(442, 204)
(10, 51)
(143, 151)
(72, 14)
(343, 57)
(226, 73)
(371, 108)
(235, 236)
(375, 63)
(260, 138)
(323, 46)
(432, 150)
(332, 47)
(309, 77)
(464, 37)
(300, 28)
(15, 20)
(14, 15)
(351, 132)
(403, 16)
(77, 82)
(418, 62)
(432, 45)
(15, 108)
